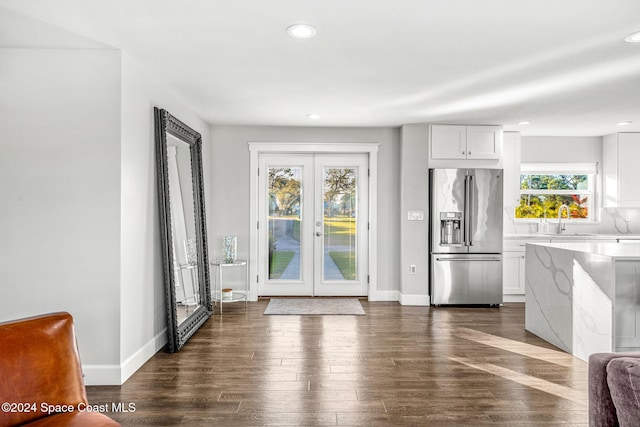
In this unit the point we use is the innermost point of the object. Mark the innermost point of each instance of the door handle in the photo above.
(465, 215)
(318, 233)
(470, 210)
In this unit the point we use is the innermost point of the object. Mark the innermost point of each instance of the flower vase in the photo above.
(229, 249)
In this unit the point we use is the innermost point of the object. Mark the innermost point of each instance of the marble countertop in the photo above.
(628, 251)
(571, 236)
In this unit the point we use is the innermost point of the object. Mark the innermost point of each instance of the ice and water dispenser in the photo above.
(450, 228)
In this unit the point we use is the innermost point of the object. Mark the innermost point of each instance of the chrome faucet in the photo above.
(561, 226)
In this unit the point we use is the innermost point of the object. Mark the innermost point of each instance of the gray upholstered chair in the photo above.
(614, 389)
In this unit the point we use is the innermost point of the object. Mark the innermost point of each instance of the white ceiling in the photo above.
(562, 65)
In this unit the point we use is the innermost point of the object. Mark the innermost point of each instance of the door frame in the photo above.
(258, 148)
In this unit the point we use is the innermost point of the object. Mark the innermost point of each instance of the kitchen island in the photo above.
(584, 297)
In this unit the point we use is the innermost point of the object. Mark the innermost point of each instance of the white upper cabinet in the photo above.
(448, 142)
(458, 142)
(620, 155)
(484, 142)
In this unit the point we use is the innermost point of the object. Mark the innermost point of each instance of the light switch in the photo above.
(415, 215)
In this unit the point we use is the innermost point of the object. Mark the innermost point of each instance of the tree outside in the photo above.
(542, 196)
(339, 206)
(284, 191)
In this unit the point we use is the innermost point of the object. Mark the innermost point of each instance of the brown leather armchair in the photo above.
(41, 382)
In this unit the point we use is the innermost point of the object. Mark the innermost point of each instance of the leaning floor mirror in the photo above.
(182, 227)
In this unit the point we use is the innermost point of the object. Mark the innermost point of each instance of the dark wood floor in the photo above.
(398, 365)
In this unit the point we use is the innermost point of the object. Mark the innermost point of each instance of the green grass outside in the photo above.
(279, 263)
(346, 262)
(340, 230)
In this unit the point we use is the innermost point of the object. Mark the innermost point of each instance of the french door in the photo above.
(313, 224)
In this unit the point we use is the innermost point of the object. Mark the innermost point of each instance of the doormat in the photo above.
(312, 306)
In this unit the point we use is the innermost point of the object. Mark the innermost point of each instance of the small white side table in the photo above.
(195, 299)
(236, 296)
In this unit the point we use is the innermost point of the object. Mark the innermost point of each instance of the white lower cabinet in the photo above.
(626, 308)
(513, 273)
(513, 266)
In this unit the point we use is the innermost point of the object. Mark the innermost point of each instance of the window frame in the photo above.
(549, 168)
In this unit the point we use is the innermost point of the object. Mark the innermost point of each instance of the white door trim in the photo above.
(257, 148)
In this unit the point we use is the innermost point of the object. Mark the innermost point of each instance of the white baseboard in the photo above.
(512, 298)
(118, 374)
(407, 299)
(140, 357)
(101, 374)
(403, 299)
(383, 296)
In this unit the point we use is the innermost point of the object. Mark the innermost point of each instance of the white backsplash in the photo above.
(612, 221)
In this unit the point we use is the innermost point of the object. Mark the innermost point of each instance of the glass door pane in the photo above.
(340, 200)
(285, 216)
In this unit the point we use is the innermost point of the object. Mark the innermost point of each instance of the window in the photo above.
(545, 187)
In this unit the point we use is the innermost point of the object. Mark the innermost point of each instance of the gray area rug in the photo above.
(304, 306)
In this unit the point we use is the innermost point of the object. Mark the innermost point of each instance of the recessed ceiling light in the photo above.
(624, 123)
(524, 123)
(633, 37)
(302, 31)
(313, 116)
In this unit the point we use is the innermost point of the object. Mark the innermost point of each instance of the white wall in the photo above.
(228, 209)
(415, 197)
(143, 310)
(60, 185)
(576, 149)
(79, 214)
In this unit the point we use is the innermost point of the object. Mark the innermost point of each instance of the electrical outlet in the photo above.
(412, 269)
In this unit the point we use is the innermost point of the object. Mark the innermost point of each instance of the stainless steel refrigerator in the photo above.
(465, 236)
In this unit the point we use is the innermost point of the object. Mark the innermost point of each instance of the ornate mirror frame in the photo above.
(179, 331)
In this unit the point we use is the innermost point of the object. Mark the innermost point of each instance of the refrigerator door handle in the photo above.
(470, 211)
(466, 211)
